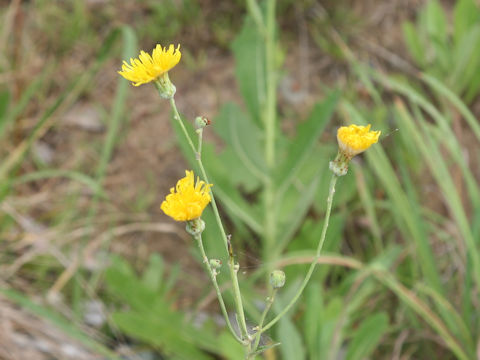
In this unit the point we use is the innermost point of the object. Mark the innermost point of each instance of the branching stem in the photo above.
(213, 277)
(240, 314)
(315, 259)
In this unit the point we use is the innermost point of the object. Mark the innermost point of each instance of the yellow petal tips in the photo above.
(147, 68)
(188, 199)
(354, 139)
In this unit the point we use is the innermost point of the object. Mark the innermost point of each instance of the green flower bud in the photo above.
(277, 279)
(201, 122)
(195, 227)
(215, 264)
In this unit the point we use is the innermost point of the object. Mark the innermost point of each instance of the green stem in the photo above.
(315, 259)
(177, 117)
(213, 277)
(270, 125)
(268, 305)
(231, 265)
(271, 86)
(200, 140)
(256, 14)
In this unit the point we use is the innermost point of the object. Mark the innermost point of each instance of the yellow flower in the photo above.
(354, 139)
(188, 200)
(149, 68)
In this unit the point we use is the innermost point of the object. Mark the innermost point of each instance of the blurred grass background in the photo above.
(90, 267)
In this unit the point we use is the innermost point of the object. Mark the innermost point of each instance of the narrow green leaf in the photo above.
(411, 300)
(450, 316)
(297, 215)
(466, 62)
(153, 274)
(367, 199)
(311, 318)
(432, 22)
(291, 342)
(436, 21)
(249, 51)
(465, 15)
(243, 136)
(431, 153)
(367, 337)
(329, 319)
(436, 85)
(235, 203)
(304, 143)
(412, 40)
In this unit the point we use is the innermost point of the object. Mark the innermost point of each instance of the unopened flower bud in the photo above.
(195, 227)
(201, 122)
(215, 264)
(277, 279)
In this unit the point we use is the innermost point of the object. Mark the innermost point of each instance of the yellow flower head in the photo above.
(354, 139)
(188, 200)
(148, 68)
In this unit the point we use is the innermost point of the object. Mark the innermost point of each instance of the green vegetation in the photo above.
(400, 270)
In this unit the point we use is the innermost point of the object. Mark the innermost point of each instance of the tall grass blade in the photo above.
(437, 85)
(433, 158)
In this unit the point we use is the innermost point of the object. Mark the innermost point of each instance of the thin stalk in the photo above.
(270, 125)
(268, 305)
(256, 14)
(200, 140)
(271, 86)
(177, 117)
(315, 259)
(213, 277)
(231, 265)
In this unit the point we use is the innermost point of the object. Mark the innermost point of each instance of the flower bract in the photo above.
(148, 67)
(188, 199)
(354, 139)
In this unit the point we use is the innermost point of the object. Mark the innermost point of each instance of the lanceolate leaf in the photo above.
(367, 337)
(249, 51)
(305, 141)
(243, 136)
(297, 214)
